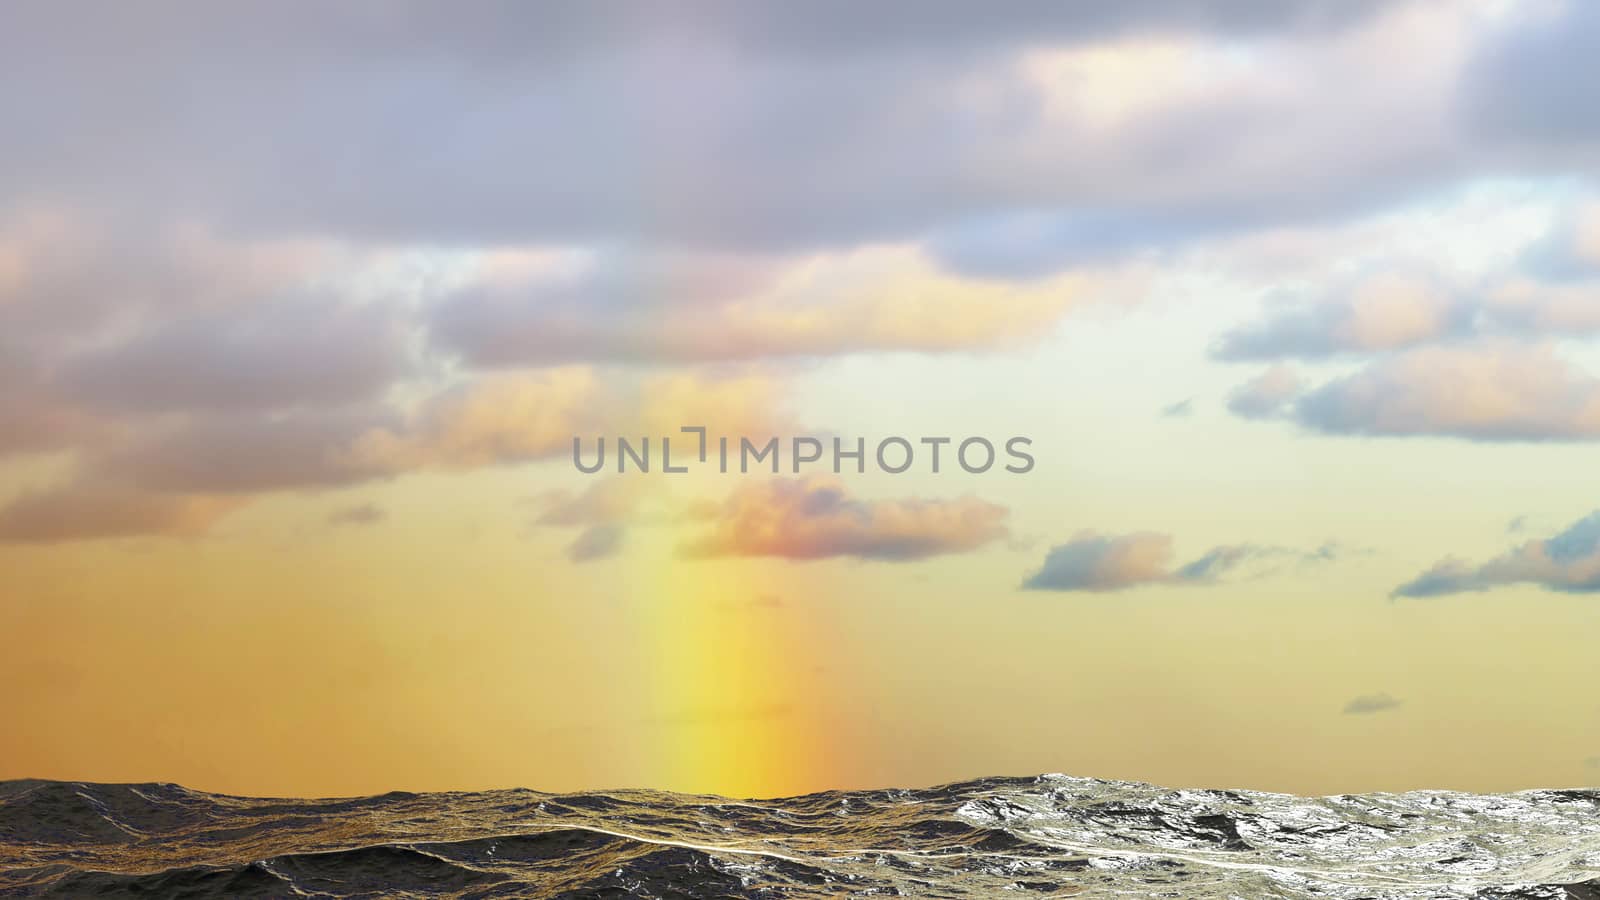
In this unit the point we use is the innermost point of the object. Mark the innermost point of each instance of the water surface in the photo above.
(1048, 836)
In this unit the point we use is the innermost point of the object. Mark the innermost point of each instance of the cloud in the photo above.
(72, 275)
(596, 542)
(130, 334)
(246, 454)
(802, 518)
(273, 356)
(604, 501)
(1267, 395)
(1007, 145)
(699, 308)
(1398, 310)
(1384, 311)
(177, 477)
(604, 511)
(1366, 704)
(359, 515)
(507, 418)
(1520, 87)
(1215, 562)
(1447, 576)
(1331, 551)
(1570, 248)
(814, 518)
(222, 302)
(1488, 392)
(1178, 410)
(489, 421)
(95, 510)
(731, 403)
(32, 424)
(33, 419)
(1523, 307)
(1101, 562)
(1569, 562)
(789, 129)
(1032, 245)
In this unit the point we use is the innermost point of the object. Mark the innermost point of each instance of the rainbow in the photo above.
(737, 700)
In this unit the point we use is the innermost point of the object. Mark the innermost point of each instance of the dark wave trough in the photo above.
(1049, 836)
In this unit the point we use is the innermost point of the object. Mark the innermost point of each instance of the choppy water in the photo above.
(1052, 836)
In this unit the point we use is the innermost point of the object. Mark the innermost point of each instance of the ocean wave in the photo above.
(1052, 836)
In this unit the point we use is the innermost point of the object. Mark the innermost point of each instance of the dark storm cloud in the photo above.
(1569, 562)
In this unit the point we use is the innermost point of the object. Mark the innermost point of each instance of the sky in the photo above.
(303, 306)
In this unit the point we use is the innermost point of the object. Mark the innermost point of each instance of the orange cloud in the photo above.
(509, 418)
(813, 518)
(1495, 391)
(1114, 562)
(495, 420)
(873, 299)
(499, 419)
(88, 510)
